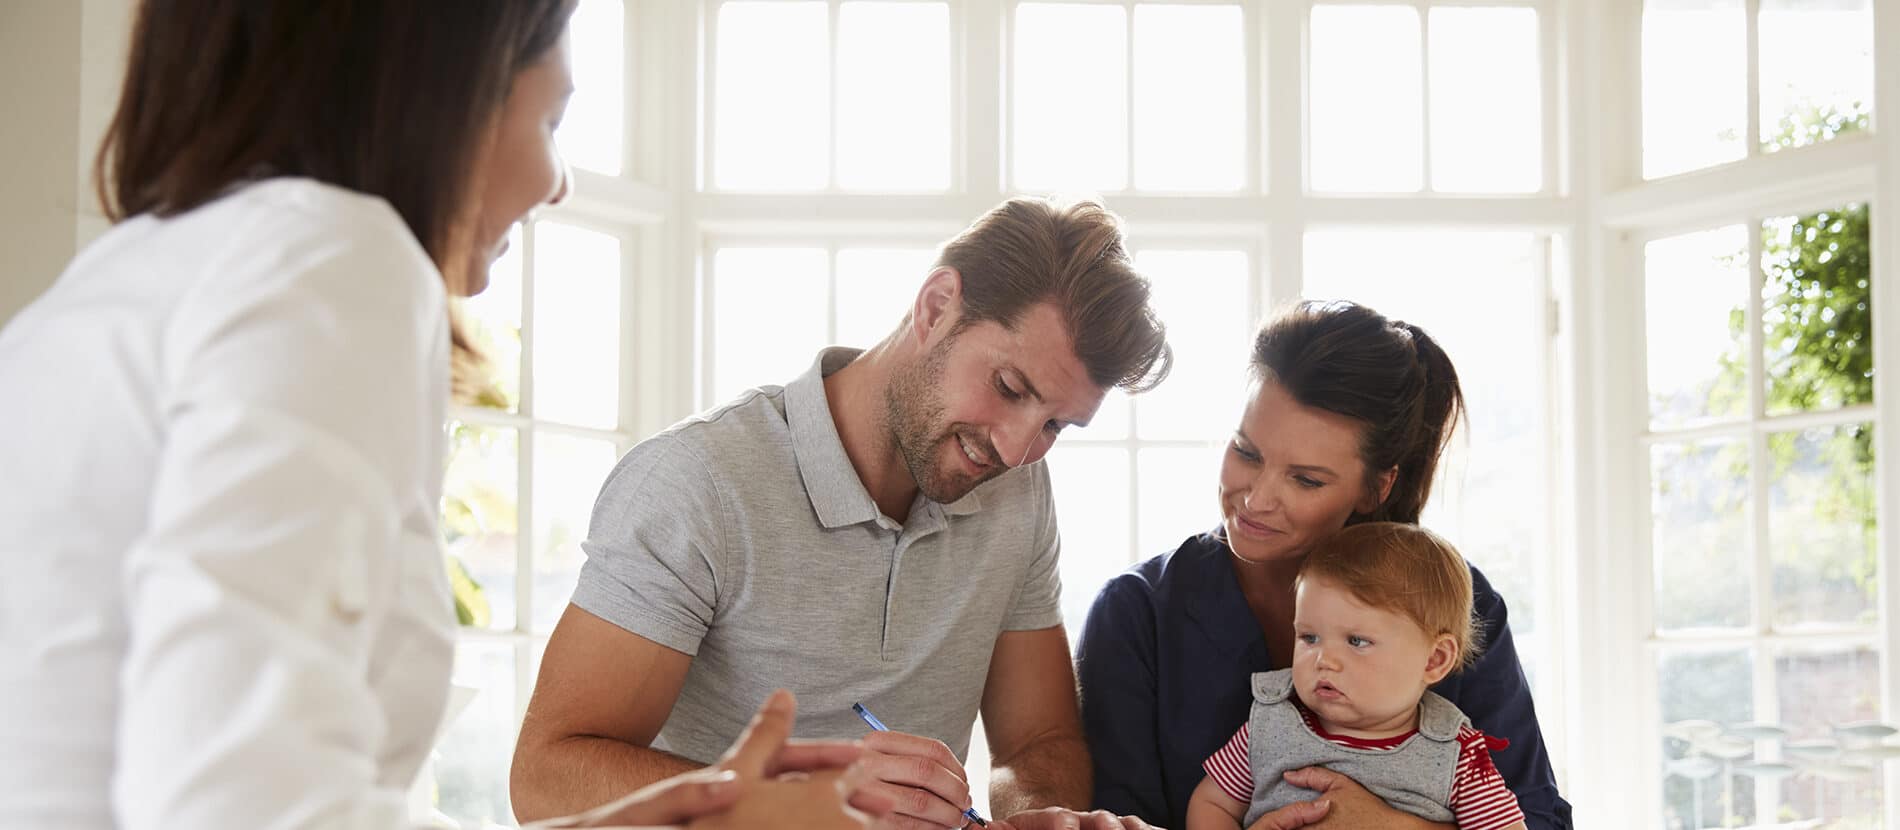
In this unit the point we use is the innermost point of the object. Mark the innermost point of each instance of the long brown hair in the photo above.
(1388, 375)
(393, 98)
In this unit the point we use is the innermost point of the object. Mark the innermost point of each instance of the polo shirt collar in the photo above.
(837, 495)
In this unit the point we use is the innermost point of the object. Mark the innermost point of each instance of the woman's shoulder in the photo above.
(1160, 573)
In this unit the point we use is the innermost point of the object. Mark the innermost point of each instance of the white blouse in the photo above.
(222, 601)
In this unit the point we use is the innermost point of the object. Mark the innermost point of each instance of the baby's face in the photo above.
(1361, 669)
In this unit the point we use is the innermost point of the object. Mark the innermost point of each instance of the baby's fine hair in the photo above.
(1405, 569)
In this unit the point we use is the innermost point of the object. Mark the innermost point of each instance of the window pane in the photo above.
(1695, 84)
(1819, 689)
(894, 96)
(1817, 314)
(1487, 131)
(1821, 525)
(1091, 493)
(1702, 693)
(1699, 536)
(568, 473)
(1365, 102)
(478, 522)
(1489, 499)
(1696, 287)
(1179, 494)
(876, 287)
(1111, 421)
(576, 326)
(1190, 97)
(1202, 297)
(772, 107)
(770, 316)
(590, 135)
(492, 320)
(1070, 113)
(1817, 70)
(471, 761)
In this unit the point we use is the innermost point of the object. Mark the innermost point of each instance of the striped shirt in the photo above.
(1479, 799)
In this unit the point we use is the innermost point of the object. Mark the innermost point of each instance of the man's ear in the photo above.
(938, 305)
(1443, 659)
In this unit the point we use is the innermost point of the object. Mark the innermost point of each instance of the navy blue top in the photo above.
(1163, 665)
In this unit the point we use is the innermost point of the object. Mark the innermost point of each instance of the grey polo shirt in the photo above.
(743, 537)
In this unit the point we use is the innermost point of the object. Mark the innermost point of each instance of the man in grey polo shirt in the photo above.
(877, 530)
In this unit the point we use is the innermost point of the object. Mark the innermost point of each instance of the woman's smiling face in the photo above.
(1290, 476)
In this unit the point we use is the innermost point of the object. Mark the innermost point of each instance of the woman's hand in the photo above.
(1342, 804)
(764, 780)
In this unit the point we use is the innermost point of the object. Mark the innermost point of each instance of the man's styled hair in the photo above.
(1029, 251)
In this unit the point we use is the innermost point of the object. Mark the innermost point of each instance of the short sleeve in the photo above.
(654, 547)
(1230, 769)
(1039, 602)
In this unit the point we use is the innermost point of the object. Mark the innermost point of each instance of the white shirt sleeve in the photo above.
(298, 424)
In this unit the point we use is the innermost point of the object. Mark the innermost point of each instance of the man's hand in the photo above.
(920, 776)
(1056, 818)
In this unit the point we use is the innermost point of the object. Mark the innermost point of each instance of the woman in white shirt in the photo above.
(219, 479)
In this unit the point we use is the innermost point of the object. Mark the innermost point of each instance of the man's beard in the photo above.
(913, 416)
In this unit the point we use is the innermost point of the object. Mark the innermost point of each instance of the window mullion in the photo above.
(1425, 96)
(1751, 131)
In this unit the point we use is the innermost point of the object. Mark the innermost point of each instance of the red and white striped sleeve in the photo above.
(1230, 770)
(1479, 799)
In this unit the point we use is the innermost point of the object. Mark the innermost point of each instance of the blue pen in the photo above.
(879, 726)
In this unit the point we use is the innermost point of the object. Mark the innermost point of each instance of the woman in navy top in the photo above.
(1349, 414)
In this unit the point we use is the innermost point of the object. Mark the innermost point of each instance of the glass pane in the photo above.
(1112, 420)
(568, 473)
(1091, 493)
(576, 326)
(1487, 131)
(471, 760)
(894, 96)
(1817, 314)
(1817, 70)
(1070, 113)
(1180, 496)
(1821, 525)
(1489, 498)
(479, 524)
(769, 316)
(876, 287)
(1695, 84)
(1702, 693)
(1696, 288)
(1365, 104)
(492, 320)
(1699, 537)
(1819, 689)
(1202, 297)
(772, 104)
(591, 132)
(1190, 97)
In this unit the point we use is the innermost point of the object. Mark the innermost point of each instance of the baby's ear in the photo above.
(1443, 660)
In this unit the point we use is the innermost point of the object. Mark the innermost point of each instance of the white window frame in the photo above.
(1267, 219)
(1609, 462)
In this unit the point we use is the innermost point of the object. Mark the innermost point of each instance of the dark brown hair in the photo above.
(1404, 569)
(391, 98)
(1388, 375)
(1028, 251)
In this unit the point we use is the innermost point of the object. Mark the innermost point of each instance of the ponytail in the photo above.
(1388, 375)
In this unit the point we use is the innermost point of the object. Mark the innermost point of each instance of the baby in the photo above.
(1382, 612)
